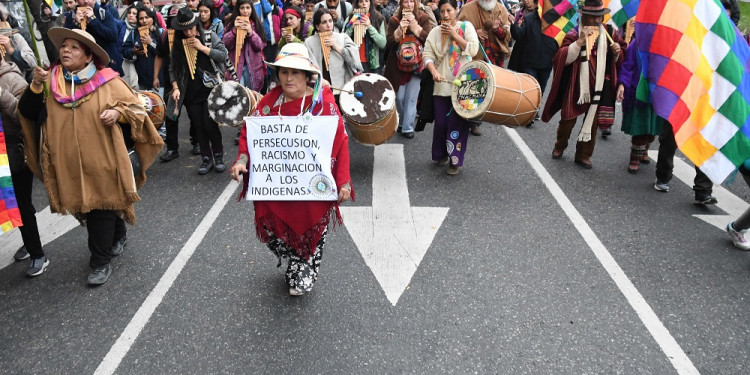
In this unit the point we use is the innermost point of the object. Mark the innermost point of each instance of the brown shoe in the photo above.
(556, 154)
(585, 164)
(475, 130)
(452, 170)
(444, 160)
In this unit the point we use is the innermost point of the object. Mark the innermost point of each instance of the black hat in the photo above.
(593, 8)
(184, 19)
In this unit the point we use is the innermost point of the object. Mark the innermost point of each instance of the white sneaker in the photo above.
(738, 238)
(296, 292)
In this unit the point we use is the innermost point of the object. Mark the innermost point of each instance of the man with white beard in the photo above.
(492, 23)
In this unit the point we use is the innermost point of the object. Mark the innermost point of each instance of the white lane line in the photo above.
(50, 227)
(668, 344)
(140, 319)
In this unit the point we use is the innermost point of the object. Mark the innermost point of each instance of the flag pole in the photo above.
(33, 40)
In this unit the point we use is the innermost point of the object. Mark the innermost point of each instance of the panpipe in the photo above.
(84, 20)
(325, 35)
(2, 52)
(143, 31)
(629, 30)
(359, 28)
(403, 29)
(289, 30)
(240, 40)
(591, 39)
(309, 16)
(191, 54)
(170, 37)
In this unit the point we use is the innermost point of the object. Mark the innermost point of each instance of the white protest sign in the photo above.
(290, 158)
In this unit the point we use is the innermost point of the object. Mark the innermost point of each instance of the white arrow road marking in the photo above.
(50, 226)
(728, 202)
(392, 236)
(651, 321)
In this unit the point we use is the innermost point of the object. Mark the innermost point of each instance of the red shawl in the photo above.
(565, 90)
(299, 223)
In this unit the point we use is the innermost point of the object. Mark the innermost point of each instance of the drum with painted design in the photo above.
(230, 102)
(371, 116)
(500, 96)
(154, 105)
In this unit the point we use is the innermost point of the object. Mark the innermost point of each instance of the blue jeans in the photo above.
(406, 104)
(541, 75)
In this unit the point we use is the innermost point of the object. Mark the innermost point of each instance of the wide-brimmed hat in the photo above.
(184, 19)
(593, 8)
(57, 36)
(294, 56)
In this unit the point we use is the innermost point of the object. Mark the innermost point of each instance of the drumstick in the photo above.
(357, 94)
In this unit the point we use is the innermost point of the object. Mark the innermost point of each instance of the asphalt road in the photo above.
(509, 284)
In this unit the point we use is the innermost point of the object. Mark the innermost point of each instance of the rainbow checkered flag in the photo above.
(620, 11)
(10, 216)
(696, 64)
(558, 17)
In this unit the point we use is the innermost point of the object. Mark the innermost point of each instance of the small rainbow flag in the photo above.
(620, 11)
(696, 63)
(10, 216)
(558, 17)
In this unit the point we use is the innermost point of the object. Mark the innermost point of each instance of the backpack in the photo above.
(409, 54)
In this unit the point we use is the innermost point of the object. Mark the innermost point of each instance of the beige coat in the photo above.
(84, 164)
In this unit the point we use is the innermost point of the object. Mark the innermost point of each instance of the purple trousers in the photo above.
(451, 132)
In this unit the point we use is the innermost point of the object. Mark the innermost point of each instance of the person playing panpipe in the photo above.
(584, 84)
(248, 52)
(343, 54)
(371, 25)
(404, 80)
(191, 90)
(451, 132)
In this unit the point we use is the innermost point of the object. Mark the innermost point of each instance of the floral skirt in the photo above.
(301, 274)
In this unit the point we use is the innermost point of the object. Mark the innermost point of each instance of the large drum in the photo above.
(490, 93)
(229, 103)
(154, 105)
(369, 108)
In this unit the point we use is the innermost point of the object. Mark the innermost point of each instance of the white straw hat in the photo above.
(294, 56)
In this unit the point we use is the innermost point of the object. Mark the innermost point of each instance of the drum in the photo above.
(154, 105)
(490, 93)
(229, 103)
(372, 117)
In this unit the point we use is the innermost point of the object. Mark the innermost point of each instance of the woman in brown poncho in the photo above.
(83, 159)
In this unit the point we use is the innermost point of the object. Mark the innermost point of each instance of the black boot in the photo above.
(219, 162)
(207, 165)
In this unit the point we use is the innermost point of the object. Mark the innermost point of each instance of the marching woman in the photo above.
(193, 91)
(297, 229)
(87, 125)
(638, 118)
(443, 61)
(343, 59)
(300, 29)
(131, 29)
(209, 18)
(251, 71)
(144, 51)
(416, 23)
(374, 39)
